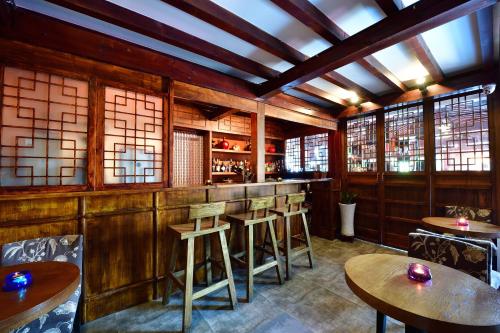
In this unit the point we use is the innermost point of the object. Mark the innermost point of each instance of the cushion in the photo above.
(471, 213)
(61, 248)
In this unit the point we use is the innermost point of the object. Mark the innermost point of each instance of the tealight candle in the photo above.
(17, 281)
(419, 272)
(462, 222)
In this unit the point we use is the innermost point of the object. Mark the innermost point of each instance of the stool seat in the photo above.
(185, 231)
(283, 211)
(246, 219)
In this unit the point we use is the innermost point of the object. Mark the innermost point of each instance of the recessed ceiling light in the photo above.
(420, 81)
(354, 98)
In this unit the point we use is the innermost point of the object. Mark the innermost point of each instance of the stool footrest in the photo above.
(212, 288)
(176, 280)
(300, 239)
(264, 267)
(299, 252)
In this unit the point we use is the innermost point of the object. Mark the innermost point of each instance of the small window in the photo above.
(292, 155)
(404, 139)
(362, 144)
(461, 133)
(316, 152)
(132, 137)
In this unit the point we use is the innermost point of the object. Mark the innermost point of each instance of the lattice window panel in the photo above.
(43, 129)
(404, 139)
(188, 159)
(362, 144)
(132, 137)
(292, 155)
(316, 152)
(461, 133)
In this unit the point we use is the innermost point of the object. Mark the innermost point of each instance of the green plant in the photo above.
(347, 198)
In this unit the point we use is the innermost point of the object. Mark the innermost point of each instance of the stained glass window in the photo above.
(133, 125)
(461, 133)
(362, 144)
(43, 129)
(404, 139)
(292, 155)
(316, 152)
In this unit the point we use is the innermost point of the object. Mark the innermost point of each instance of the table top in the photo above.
(475, 228)
(451, 302)
(53, 283)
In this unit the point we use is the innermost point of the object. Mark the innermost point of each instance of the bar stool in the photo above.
(258, 212)
(189, 232)
(293, 207)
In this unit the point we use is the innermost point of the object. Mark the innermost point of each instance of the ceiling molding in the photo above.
(422, 16)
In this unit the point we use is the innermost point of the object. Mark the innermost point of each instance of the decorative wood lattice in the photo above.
(362, 144)
(461, 134)
(404, 139)
(316, 152)
(292, 155)
(235, 124)
(43, 129)
(132, 137)
(188, 159)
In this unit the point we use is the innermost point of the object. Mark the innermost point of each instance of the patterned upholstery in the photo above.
(471, 213)
(61, 248)
(468, 258)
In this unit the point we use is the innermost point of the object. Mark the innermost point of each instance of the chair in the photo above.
(189, 232)
(486, 244)
(258, 212)
(293, 207)
(466, 257)
(60, 248)
(471, 213)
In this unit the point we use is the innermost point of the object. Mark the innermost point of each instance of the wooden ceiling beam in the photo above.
(321, 94)
(233, 24)
(484, 18)
(422, 16)
(416, 44)
(316, 20)
(117, 15)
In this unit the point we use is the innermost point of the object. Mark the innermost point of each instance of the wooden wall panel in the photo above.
(186, 115)
(99, 205)
(260, 191)
(182, 197)
(17, 233)
(40, 208)
(235, 124)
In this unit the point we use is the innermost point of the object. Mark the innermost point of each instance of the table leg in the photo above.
(381, 322)
(411, 329)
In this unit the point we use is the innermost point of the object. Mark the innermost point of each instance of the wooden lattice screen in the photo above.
(132, 137)
(292, 155)
(461, 133)
(316, 152)
(404, 139)
(43, 129)
(362, 144)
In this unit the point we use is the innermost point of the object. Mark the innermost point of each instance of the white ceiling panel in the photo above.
(270, 18)
(329, 88)
(309, 98)
(178, 19)
(356, 73)
(130, 36)
(455, 45)
(401, 62)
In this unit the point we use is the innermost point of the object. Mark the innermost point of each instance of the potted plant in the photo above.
(347, 207)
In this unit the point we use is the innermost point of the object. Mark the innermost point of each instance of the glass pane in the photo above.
(292, 155)
(404, 139)
(316, 152)
(461, 133)
(43, 129)
(133, 125)
(362, 144)
(188, 159)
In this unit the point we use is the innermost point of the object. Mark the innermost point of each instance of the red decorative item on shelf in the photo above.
(224, 144)
(271, 149)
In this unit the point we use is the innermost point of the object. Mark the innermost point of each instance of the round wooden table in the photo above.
(475, 229)
(451, 302)
(53, 283)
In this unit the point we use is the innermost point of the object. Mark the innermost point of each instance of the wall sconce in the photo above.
(421, 85)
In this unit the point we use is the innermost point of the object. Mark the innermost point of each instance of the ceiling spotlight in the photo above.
(354, 98)
(420, 81)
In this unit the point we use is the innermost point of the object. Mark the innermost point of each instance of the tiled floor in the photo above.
(316, 300)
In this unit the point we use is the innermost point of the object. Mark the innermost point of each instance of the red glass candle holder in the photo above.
(462, 222)
(419, 272)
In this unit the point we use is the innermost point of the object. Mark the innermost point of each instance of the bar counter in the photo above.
(125, 238)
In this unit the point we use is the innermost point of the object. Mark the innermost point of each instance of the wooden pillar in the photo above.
(168, 130)
(258, 143)
(494, 120)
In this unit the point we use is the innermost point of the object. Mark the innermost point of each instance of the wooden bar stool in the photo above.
(293, 207)
(258, 212)
(189, 232)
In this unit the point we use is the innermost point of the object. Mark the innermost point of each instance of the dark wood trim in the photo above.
(166, 143)
(321, 94)
(92, 134)
(99, 132)
(170, 134)
(422, 16)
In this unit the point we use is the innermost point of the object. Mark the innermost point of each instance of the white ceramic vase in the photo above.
(347, 219)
